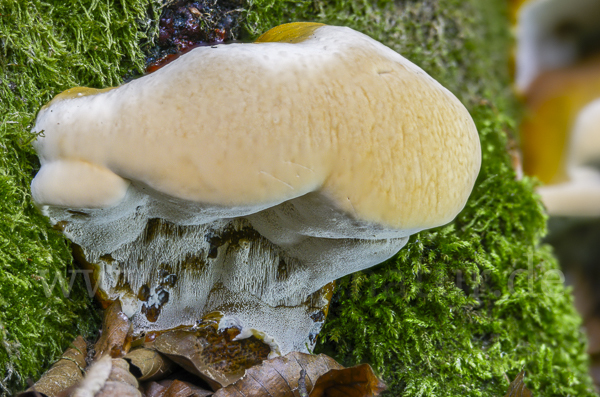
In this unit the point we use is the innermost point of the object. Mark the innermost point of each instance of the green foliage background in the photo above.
(460, 310)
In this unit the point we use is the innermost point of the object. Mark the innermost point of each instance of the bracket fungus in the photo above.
(553, 34)
(579, 196)
(239, 181)
(557, 70)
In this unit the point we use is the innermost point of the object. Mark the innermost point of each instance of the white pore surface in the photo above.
(539, 47)
(267, 289)
(580, 196)
(334, 150)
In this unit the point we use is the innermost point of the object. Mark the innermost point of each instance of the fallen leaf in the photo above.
(358, 381)
(212, 355)
(66, 372)
(280, 376)
(302, 384)
(155, 389)
(148, 364)
(118, 389)
(175, 388)
(95, 378)
(120, 373)
(517, 387)
(116, 333)
(183, 389)
(107, 378)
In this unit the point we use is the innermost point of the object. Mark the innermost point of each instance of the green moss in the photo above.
(47, 47)
(439, 319)
(461, 309)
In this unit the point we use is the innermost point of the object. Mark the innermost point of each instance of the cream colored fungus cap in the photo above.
(307, 108)
(580, 196)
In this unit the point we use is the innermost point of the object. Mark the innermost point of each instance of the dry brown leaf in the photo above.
(64, 373)
(116, 333)
(280, 376)
(107, 378)
(148, 364)
(184, 389)
(212, 355)
(120, 373)
(517, 387)
(95, 378)
(175, 388)
(154, 389)
(302, 384)
(118, 389)
(358, 381)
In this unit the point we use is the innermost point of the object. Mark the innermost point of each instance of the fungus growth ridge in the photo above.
(240, 180)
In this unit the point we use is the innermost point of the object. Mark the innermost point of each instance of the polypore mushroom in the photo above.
(242, 179)
(558, 71)
(552, 34)
(580, 195)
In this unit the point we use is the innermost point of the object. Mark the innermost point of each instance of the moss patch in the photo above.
(47, 47)
(461, 309)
